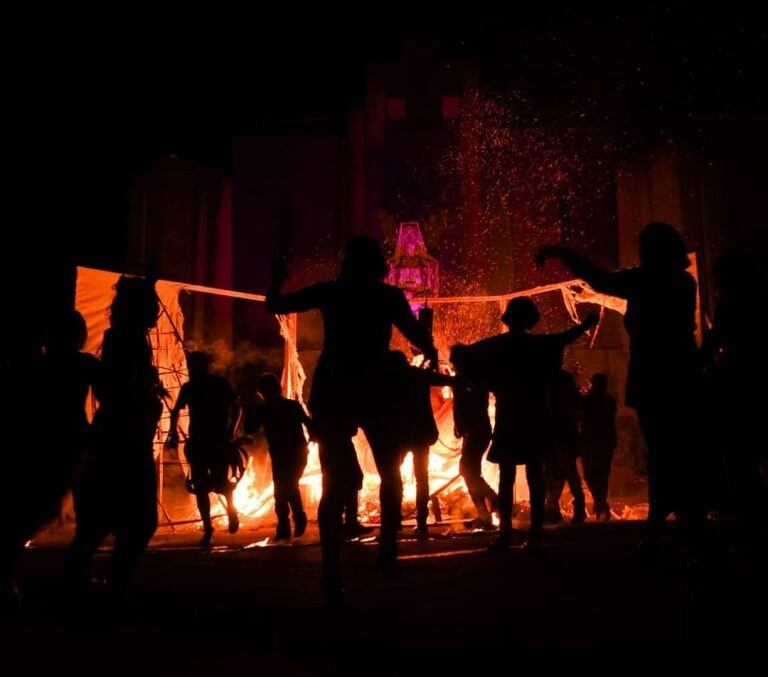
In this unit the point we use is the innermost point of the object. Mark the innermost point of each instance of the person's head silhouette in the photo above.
(67, 333)
(363, 259)
(521, 314)
(198, 364)
(135, 306)
(269, 386)
(599, 383)
(662, 247)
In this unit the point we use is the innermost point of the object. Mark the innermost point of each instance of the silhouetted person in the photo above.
(47, 464)
(117, 492)
(214, 412)
(598, 442)
(414, 424)
(284, 421)
(358, 312)
(518, 367)
(472, 425)
(561, 468)
(663, 380)
(736, 344)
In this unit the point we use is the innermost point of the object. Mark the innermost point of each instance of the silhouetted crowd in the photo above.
(699, 409)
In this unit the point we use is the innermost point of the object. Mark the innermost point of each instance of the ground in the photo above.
(243, 607)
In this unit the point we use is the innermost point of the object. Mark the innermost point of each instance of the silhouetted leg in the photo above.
(507, 471)
(391, 495)
(470, 467)
(337, 461)
(534, 475)
(232, 516)
(652, 424)
(201, 483)
(351, 508)
(421, 472)
(592, 477)
(296, 503)
(77, 569)
(571, 472)
(597, 468)
(92, 527)
(204, 508)
(130, 543)
(282, 506)
(134, 506)
(554, 482)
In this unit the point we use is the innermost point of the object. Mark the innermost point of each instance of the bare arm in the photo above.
(601, 280)
(173, 429)
(279, 303)
(414, 332)
(577, 331)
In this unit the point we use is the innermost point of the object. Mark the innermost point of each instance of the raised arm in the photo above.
(279, 303)
(601, 280)
(577, 331)
(416, 334)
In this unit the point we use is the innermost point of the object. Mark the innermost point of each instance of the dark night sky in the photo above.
(95, 96)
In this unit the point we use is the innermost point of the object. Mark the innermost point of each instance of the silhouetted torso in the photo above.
(128, 382)
(129, 404)
(661, 323)
(519, 366)
(210, 400)
(282, 419)
(67, 379)
(470, 411)
(598, 421)
(357, 317)
(564, 400)
(518, 369)
(409, 388)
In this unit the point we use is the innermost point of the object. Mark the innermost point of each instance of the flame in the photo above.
(253, 503)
